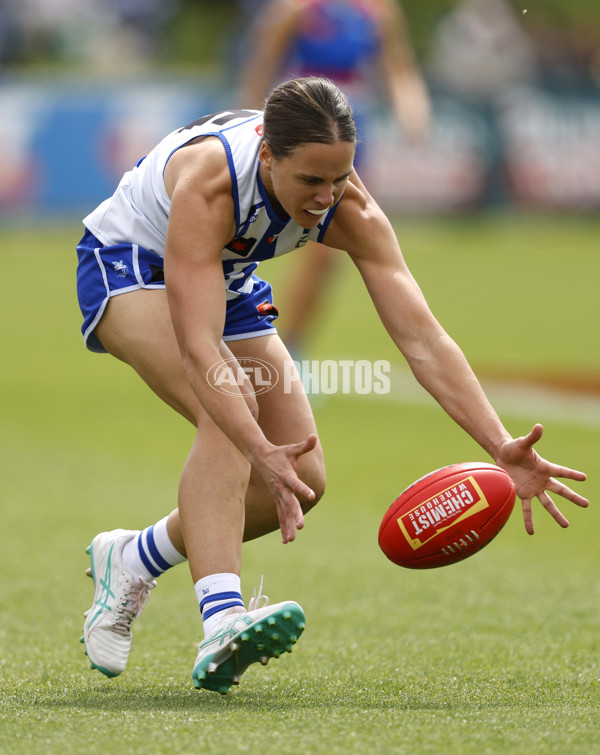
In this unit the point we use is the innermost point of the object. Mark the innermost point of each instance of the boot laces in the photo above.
(132, 604)
(255, 600)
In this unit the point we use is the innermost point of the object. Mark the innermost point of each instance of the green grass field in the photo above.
(498, 654)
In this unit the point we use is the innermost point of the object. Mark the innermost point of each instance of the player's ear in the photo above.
(265, 155)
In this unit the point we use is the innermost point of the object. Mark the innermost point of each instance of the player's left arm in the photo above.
(364, 232)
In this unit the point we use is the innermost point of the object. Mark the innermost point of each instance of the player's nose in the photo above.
(325, 197)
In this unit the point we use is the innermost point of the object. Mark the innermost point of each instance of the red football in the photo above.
(447, 515)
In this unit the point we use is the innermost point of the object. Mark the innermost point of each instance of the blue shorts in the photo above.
(106, 271)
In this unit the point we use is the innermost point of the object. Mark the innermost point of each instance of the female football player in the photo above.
(167, 284)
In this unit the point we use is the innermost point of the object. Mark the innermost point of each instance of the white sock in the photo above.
(217, 593)
(151, 553)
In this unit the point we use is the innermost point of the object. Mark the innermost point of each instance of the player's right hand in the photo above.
(278, 469)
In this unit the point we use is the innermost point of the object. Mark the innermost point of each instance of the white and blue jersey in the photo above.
(124, 245)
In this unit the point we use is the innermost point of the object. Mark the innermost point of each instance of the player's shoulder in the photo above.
(357, 200)
(358, 220)
(201, 162)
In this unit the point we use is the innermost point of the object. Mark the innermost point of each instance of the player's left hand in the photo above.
(534, 477)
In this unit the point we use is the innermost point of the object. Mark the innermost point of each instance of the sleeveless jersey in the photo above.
(138, 211)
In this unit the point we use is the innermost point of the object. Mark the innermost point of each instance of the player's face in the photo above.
(308, 182)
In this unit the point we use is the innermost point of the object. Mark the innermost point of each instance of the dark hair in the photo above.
(307, 110)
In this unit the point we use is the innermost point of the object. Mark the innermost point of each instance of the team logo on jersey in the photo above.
(241, 246)
(121, 269)
(260, 130)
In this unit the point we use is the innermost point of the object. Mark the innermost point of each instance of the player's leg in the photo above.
(137, 329)
(238, 639)
(285, 416)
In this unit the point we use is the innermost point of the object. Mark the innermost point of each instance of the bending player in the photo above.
(167, 283)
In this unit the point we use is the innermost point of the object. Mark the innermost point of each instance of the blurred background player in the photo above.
(364, 47)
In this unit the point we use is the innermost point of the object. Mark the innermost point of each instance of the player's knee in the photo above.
(316, 479)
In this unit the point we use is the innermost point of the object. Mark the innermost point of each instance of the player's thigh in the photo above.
(284, 411)
(137, 329)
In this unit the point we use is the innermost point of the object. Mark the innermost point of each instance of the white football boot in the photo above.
(243, 638)
(118, 599)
